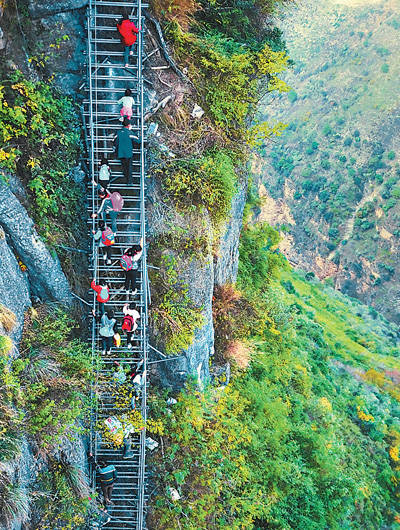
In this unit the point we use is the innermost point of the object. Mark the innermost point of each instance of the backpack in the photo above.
(126, 263)
(127, 324)
(104, 173)
(117, 201)
(117, 340)
(108, 237)
(104, 294)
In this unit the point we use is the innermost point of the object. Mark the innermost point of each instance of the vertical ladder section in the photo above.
(107, 81)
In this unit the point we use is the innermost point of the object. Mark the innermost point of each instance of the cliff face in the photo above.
(227, 258)
(42, 277)
(46, 278)
(200, 272)
(14, 285)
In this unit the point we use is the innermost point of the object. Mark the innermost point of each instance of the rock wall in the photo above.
(14, 286)
(200, 276)
(45, 8)
(227, 258)
(46, 278)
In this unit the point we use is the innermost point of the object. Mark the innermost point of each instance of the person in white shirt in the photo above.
(127, 103)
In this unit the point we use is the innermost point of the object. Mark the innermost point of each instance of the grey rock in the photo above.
(150, 99)
(68, 62)
(194, 360)
(44, 8)
(200, 279)
(2, 40)
(152, 129)
(227, 260)
(198, 275)
(78, 175)
(14, 286)
(46, 277)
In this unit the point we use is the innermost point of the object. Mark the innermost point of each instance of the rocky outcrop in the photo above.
(66, 31)
(227, 259)
(46, 278)
(44, 8)
(14, 286)
(195, 359)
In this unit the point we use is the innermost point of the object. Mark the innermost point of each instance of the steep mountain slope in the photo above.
(308, 435)
(333, 177)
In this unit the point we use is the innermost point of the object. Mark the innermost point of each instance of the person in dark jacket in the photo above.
(107, 475)
(128, 34)
(123, 142)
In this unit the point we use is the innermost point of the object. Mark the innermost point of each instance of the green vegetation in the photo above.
(175, 316)
(48, 380)
(40, 139)
(226, 57)
(44, 395)
(207, 181)
(284, 444)
(228, 78)
(226, 64)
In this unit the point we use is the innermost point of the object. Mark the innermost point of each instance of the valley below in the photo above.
(331, 182)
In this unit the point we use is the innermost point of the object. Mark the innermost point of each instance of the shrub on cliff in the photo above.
(207, 181)
(40, 141)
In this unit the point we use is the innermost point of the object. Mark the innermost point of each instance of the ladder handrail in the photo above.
(142, 457)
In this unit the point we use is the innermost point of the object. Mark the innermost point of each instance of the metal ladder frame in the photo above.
(93, 102)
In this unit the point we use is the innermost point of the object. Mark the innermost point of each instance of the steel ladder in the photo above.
(107, 80)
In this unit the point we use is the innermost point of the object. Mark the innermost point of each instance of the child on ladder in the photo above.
(105, 238)
(128, 34)
(104, 173)
(127, 103)
(129, 324)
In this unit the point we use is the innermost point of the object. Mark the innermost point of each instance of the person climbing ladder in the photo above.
(128, 34)
(111, 205)
(129, 264)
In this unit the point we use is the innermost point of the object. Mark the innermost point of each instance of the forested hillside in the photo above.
(307, 434)
(334, 173)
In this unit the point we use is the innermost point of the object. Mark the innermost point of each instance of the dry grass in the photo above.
(180, 11)
(7, 319)
(14, 501)
(238, 352)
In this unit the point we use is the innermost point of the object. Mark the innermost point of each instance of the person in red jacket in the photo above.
(128, 32)
(103, 294)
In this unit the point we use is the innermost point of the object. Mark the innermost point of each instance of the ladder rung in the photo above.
(116, 78)
(119, 4)
(98, 66)
(105, 102)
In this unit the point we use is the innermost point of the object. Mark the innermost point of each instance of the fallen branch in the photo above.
(162, 104)
(151, 53)
(163, 82)
(164, 48)
(159, 105)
